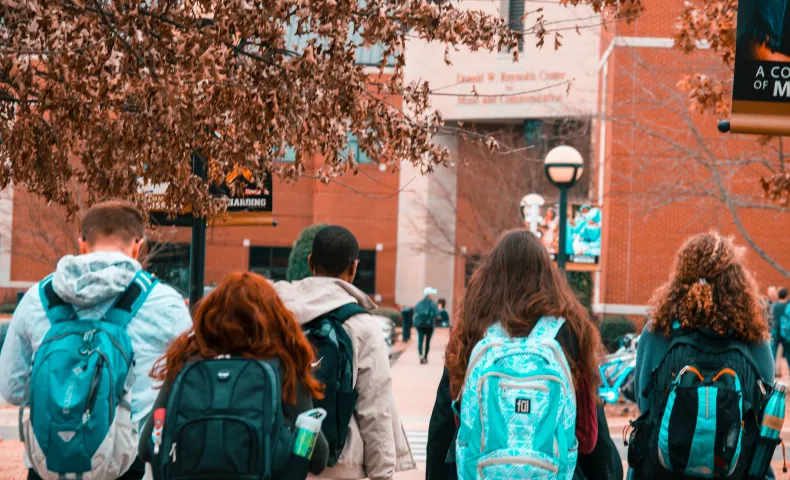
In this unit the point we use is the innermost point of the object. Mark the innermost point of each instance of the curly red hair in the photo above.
(710, 288)
(245, 317)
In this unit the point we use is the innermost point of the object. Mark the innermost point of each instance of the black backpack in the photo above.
(703, 420)
(424, 314)
(333, 351)
(224, 419)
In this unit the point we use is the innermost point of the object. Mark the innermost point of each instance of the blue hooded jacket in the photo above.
(91, 283)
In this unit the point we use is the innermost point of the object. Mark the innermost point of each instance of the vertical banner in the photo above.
(583, 245)
(761, 87)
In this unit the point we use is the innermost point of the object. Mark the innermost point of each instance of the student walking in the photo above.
(216, 401)
(522, 371)
(95, 327)
(444, 316)
(703, 368)
(363, 428)
(426, 312)
(780, 315)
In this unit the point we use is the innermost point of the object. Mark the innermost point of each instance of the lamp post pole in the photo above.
(197, 250)
(562, 253)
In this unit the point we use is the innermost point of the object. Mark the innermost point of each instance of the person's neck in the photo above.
(108, 248)
(339, 277)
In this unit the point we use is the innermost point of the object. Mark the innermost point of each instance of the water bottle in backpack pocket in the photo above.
(518, 408)
(80, 390)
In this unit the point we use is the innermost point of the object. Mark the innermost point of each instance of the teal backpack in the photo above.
(518, 408)
(80, 389)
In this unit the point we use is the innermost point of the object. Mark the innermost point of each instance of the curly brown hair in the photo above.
(517, 284)
(710, 288)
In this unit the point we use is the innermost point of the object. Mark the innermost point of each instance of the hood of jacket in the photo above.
(315, 296)
(94, 278)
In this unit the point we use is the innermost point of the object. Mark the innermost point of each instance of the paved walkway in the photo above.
(415, 392)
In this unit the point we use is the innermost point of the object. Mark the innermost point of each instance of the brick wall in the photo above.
(650, 162)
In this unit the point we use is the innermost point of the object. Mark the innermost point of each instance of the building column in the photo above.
(426, 230)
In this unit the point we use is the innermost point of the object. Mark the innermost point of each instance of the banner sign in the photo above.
(583, 242)
(761, 88)
(253, 207)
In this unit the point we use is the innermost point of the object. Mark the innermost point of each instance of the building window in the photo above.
(352, 145)
(169, 262)
(472, 261)
(366, 272)
(515, 18)
(270, 262)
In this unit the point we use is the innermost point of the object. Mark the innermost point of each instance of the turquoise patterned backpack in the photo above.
(518, 408)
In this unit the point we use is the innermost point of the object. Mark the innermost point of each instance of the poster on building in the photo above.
(583, 241)
(761, 88)
(249, 204)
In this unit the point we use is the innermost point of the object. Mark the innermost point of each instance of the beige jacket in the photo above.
(376, 447)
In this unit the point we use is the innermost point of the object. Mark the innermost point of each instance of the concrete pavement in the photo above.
(415, 386)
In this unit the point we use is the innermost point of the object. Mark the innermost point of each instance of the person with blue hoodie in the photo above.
(112, 234)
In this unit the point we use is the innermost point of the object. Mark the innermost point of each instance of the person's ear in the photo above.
(310, 262)
(83, 245)
(137, 246)
(352, 270)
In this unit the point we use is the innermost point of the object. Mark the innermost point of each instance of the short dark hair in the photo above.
(782, 294)
(335, 249)
(442, 302)
(112, 218)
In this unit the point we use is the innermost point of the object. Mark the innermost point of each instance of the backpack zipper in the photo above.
(173, 452)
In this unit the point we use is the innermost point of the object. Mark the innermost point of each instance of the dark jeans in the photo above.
(136, 472)
(424, 340)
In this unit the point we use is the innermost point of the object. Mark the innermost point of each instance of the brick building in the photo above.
(665, 173)
(659, 173)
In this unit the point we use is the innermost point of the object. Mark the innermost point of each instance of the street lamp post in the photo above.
(564, 166)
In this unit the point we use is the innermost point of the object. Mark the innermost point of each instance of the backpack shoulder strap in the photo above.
(345, 312)
(57, 309)
(546, 328)
(130, 301)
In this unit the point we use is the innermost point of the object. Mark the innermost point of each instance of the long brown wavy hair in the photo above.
(710, 288)
(245, 317)
(516, 284)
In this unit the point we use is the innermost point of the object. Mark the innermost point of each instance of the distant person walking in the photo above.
(89, 329)
(363, 428)
(426, 313)
(444, 316)
(781, 319)
(770, 299)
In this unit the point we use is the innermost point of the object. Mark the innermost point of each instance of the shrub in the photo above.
(390, 313)
(613, 329)
(582, 285)
(7, 308)
(297, 261)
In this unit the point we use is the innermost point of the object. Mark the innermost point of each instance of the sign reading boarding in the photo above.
(250, 207)
(761, 88)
